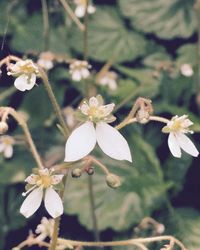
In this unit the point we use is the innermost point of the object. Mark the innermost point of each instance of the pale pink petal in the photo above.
(53, 203)
(84, 108)
(8, 152)
(186, 144)
(91, 9)
(85, 73)
(93, 102)
(174, 145)
(32, 202)
(112, 142)
(81, 142)
(57, 178)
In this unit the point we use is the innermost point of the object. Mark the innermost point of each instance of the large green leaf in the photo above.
(167, 19)
(141, 193)
(109, 38)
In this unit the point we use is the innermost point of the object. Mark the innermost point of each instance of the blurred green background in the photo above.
(150, 41)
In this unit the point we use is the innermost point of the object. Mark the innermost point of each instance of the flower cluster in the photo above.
(25, 72)
(81, 6)
(109, 79)
(79, 70)
(39, 185)
(95, 129)
(177, 140)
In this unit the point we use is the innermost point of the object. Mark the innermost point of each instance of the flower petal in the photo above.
(32, 202)
(93, 102)
(8, 152)
(2, 147)
(174, 145)
(80, 11)
(81, 142)
(186, 144)
(53, 203)
(21, 82)
(112, 142)
(31, 81)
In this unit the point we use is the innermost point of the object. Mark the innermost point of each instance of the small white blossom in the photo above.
(44, 229)
(79, 70)
(109, 79)
(42, 185)
(186, 70)
(83, 139)
(25, 72)
(177, 140)
(81, 6)
(6, 145)
(46, 60)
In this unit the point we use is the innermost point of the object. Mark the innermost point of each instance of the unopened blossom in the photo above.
(79, 70)
(6, 145)
(25, 72)
(109, 79)
(44, 229)
(46, 60)
(186, 70)
(95, 128)
(81, 6)
(41, 186)
(177, 140)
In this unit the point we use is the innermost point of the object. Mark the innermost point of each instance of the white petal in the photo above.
(21, 82)
(93, 102)
(91, 9)
(2, 147)
(76, 75)
(31, 82)
(57, 178)
(85, 73)
(53, 203)
(112, 142)
(80, 11)
(174, 145)
(8, 152)
(32, 202)
(81, 142)
(186, 144)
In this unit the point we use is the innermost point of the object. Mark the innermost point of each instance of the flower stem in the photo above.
(10, 111)
(54, 102)
(45, 24)
(72, 15)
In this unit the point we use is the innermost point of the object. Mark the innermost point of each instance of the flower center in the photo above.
(45, 181)
(7, 141)
(27, 69)
(176, 126)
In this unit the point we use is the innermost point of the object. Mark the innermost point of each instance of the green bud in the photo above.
(76, 173)
(113, 181)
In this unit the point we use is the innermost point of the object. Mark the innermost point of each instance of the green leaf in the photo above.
(142, 191)
(184, 224)
(108, 38)
(167, 19)
(187, 54)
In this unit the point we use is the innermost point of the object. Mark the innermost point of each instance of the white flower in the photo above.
(25, 72)
(186, 70)
(109, 79)
(177, 140)
(79, 70)
(83, 139)
(6, 145)
(46, 60)
(42, 185)
(81, 8)
(44, 229)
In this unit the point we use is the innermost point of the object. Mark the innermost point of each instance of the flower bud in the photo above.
(142, 116)
(160, 228)
(90, 171)
(113, 180)
(76, 173)
(3, 127)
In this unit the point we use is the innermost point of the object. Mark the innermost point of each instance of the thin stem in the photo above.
(85, 33)
(30, 242)
(10, 111)
(123, 242)
(72, 15)
(9, 58)
(45, 24)
(98, 163)
(54, 102)
(56, 228)
(92, 204)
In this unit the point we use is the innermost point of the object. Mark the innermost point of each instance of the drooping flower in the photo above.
(81, 6)
(39, 185)
(109, 79)
(44, 229)
(79, 70)
(177, 140)
(95, 129)
(25, 72)
(186, 70)
(46, 60)
(6, 145)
